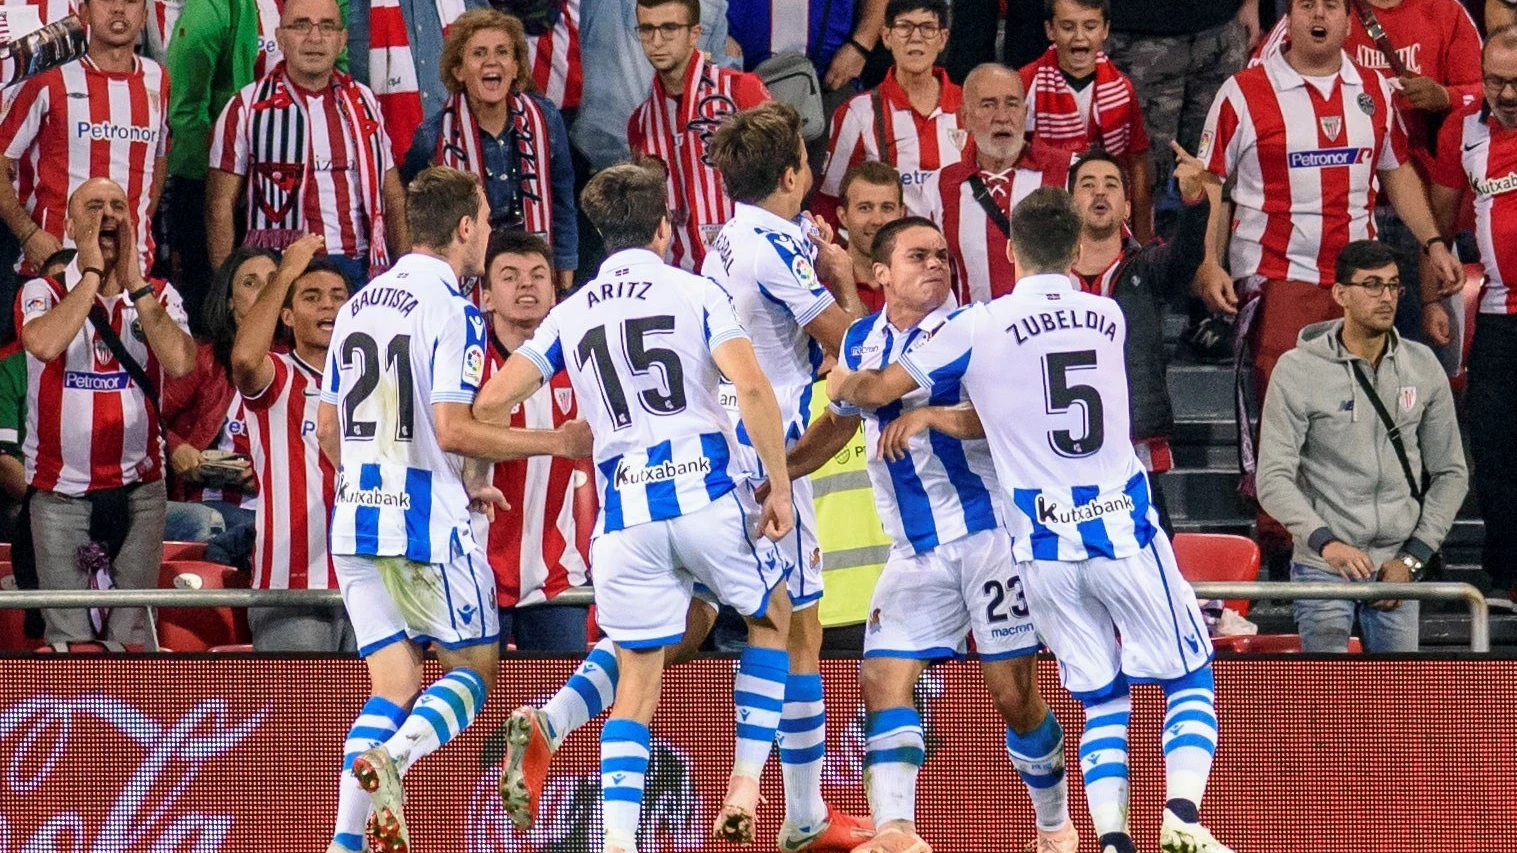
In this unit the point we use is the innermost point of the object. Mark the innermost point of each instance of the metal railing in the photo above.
(151, 599)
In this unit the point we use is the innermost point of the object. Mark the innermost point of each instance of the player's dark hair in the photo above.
(884, 239)
(626, 203)
(1102, 6)
(1094, 155)
(692, 8)
(220, 323)
(872, 172)
(896, 8)
(1362, 255)
(1045, 229)
(435, 202)
(753, 148)
(320, 263)
(512, 242)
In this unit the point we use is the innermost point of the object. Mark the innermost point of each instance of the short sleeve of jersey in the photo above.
(719, 320)
(37, 298)
(458, 359)
(545, 350)
(21, 110)
(1396, 149)
(1218, 148)
(1447, 168)
(229, 147)
(173, 304)
(264, 399)
(945, 358)
(785, 275)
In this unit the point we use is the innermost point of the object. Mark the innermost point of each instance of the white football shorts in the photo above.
(645, 574)
(925, 605)
(1081, 607)
(389, 599)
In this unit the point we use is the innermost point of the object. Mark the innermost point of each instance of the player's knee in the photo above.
(886, 683)
(1015, 694)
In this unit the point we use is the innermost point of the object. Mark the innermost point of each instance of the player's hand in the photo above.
(577, 440)
(1447, 270)
(1349, 562)
(485, 499)
(896, 436)
(185, 462)
(1191, 173)
(834, 265)
(1425, 93)
(41, 246)
(128, 261)
(778, 517)
(847, 64)
(1391, 571)
(297, 256)
(1215, 287)
(1435, 324)
(835, 379)
(87, 239)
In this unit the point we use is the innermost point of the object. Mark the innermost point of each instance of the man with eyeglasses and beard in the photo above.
(1349, 489)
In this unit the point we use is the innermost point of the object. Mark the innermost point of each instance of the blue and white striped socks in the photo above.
(378, 720)
(758, 691)
(590, 690)
(803, 750)
(443, 710)
(1038, 757)
(894, 752)
(623, 764)
(1103, 759)
(1190, 740)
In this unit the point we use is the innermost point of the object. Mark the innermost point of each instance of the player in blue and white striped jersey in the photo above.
(1044, 368)
(644, 345)
(950, 571)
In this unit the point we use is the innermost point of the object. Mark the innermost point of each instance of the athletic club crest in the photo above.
(1406, 397)
(1331, 127)
(564, 397)
(959, 137)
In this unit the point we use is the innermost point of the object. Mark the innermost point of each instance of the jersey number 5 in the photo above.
(595, 349)
(398, 362)
(1060, 396)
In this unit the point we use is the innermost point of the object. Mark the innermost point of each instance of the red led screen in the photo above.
(241, 754)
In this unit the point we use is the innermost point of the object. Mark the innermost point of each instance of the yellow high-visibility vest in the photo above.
(853, 541)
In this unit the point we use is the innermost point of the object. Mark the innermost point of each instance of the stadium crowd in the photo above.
(187, 206)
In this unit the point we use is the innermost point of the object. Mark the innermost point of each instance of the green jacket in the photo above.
(211, 56)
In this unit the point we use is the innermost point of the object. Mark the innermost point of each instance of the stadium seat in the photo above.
(12, 633)
(183, 551)
(1218, 557)
(1270, 644)
(88, 648)
(5, 552)
(197, 629)
(237, 647)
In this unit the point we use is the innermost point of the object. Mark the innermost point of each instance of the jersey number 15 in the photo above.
(594, 350)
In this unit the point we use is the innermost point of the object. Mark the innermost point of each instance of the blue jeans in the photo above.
(545, 628)
(1325, 626)
(191, 522)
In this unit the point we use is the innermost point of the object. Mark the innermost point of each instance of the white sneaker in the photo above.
(1177, 836)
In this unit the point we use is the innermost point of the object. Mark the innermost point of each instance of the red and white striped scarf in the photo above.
(1057, 113)
(392, 67)
(458, 147)
(280, 124)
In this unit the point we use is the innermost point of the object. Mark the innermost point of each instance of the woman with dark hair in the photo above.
(495, 125)
(202, 412)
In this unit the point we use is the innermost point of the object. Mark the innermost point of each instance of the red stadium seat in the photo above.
(1218, 557)
(1270, 644)
(88, 649)
(12, 634)
(173, 551)
(196, 629)
(5, 552)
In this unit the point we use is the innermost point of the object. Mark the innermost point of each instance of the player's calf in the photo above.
(1035, 743)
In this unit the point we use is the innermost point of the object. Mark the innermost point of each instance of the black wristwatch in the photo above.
(1414, 565)
(145, 290)
(1427, 244)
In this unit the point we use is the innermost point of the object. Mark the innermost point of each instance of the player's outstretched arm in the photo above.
(960, 421)
(761, 418)
(826, 436)
(515, 381)
(869, 389)
(459, 432)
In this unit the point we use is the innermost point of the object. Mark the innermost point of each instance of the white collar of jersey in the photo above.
(1043, 282)
(417, 264)
(931, 320)
(1285, 77)
(765, 219)
(627, 258)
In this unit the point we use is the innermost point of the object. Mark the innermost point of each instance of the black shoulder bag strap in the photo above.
(1393, 432)
(992, 210)
(113, 343)
(878, 102)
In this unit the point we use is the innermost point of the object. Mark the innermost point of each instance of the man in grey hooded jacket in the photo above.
(1329, 470)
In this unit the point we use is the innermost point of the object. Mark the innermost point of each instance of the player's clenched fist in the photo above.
(778, 517)
(577, 441)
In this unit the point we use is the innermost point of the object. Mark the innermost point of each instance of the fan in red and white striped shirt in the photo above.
(690, 98)
(554, 57)
(103, 116)
(1001, 161)
(889, 124)
(280, 395)
(540, 546)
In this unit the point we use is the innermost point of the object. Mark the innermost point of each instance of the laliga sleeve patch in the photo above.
(474, 364)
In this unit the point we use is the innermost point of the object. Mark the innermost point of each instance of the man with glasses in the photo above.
(1477, 149)
(690, 97)
(911, 121)
(309, 144)
(1351, 492)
